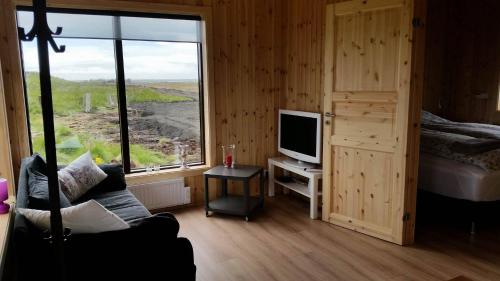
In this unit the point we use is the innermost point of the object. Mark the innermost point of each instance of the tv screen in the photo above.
(298, 133)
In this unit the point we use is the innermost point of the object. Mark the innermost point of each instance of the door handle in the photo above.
(328, 114)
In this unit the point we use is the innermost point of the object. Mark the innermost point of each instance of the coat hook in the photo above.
(57, 49)
(35, 31)
(58, 31)
(26, 37)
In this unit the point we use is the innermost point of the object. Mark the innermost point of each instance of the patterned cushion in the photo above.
(80, 176)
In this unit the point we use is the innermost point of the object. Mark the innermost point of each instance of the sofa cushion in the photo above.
(80, 176)
(38, 191)
(113, 182)
(38, 164)
(87, 217)
(123, 203)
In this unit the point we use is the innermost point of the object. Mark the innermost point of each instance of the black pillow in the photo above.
(38, 164)
(38, 196)
(114, 181)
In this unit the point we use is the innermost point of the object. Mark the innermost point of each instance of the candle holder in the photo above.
(229, 155)
(4, 195)
(183, 150)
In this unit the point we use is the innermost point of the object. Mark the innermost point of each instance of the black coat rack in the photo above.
(42, 32)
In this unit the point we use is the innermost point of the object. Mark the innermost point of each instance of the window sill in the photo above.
(6, 222)
(145, 177)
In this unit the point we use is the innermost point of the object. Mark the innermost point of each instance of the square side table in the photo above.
(242, 205)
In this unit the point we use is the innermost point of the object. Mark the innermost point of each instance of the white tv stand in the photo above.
(309, 190)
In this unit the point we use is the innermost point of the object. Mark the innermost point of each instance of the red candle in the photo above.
(229, 160)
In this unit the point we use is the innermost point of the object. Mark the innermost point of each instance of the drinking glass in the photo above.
(229, 155)
(183, 151)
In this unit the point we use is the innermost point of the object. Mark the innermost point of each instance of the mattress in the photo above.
(457, 180)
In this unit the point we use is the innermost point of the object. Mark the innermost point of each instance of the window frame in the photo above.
(121, 82)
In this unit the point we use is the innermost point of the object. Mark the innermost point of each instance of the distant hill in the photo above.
(128, 81)
(68, 95)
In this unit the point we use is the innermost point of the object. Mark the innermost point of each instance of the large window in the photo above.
(128, 88)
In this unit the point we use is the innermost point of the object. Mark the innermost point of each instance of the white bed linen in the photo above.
(457, 180)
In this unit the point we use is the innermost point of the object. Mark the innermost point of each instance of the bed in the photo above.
(458, 180)
(460, 160)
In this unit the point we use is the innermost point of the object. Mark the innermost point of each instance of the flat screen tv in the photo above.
(299, 137)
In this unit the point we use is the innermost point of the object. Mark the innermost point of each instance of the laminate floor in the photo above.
(282, 243)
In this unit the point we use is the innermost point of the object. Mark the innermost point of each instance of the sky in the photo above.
(86, 59)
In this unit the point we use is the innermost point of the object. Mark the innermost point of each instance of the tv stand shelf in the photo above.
(309, 189)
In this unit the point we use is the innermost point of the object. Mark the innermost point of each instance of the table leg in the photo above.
(261, 191)
(246, 190)
(206, 196)
(313, 189)
(271, 179)
(224, 187)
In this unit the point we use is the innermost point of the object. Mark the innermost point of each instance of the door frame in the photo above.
(415, 109)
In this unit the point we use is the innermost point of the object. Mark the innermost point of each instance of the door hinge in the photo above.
(417, 22)
(406, 216)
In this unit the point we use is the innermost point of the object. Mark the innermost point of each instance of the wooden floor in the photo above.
(282, 243)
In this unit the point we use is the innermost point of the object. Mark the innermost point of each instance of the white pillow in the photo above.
(87, 217)
(80, 176)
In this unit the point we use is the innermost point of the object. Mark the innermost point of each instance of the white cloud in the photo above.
(94, 59)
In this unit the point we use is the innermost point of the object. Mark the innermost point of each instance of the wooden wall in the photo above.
(5, 156)
(267, 55)
(462, 66)
(247, 77)
(303, 36)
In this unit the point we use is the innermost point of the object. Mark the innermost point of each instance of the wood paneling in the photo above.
(373, 53)
(303, 24)
(247, 76)
(462, 66)
(6, 170)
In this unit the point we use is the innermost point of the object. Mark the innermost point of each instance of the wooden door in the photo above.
(367, 97)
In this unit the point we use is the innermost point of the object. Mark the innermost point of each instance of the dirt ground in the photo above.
(157, 126)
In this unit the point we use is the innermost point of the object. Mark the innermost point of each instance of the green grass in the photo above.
(67, 96)
(68, 100)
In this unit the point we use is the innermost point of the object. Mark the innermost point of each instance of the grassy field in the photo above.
(97, 135)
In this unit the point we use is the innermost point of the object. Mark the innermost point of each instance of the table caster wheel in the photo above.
(247, 218)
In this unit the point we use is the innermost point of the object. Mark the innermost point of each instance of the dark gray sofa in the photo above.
(149, 250)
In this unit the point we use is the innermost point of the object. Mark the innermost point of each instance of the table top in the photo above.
(240, 171)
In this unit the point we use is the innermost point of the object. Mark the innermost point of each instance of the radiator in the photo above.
(162, 194)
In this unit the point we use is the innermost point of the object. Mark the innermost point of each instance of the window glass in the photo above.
(84, 99)
(118, 27)
(163, 102)
(162, 88)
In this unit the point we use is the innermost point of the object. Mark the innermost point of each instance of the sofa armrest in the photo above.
(161, 224)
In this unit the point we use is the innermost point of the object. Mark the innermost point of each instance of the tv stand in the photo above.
(298, 163)
(309, 189)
